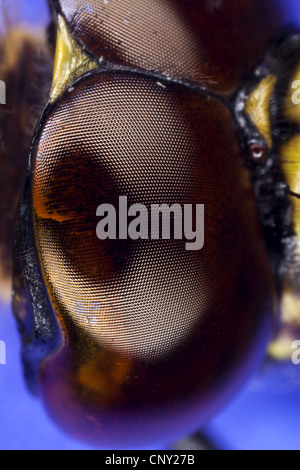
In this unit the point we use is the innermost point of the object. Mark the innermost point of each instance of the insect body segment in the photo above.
(271, 108)
(289, 154)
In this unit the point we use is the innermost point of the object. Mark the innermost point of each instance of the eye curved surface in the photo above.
(196, 41)
(149, 328)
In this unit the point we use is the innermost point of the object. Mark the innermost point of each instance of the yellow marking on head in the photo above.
(290, 164)
(281, 348)
(290, 307)
(258, 107)
(292, 101)
(71, 62)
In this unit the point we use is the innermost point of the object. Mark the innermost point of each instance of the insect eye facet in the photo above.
(142, 333)
(132, 338)
(145, 34)
(192, 41)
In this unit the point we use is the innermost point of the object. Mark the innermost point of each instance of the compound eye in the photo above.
(191, 40)
(150, 329)
(154, 35)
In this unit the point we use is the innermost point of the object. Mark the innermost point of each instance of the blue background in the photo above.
(265, 414)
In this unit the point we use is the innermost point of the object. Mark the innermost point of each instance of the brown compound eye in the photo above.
(152, 35)
(148, 339)
(197, 41)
